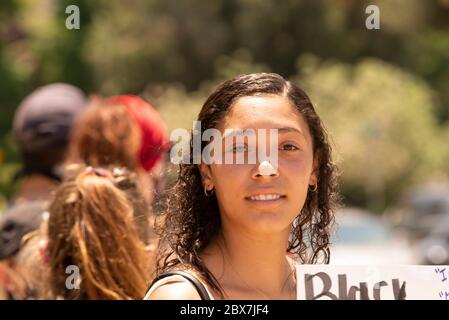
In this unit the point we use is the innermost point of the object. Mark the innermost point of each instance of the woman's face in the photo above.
(264, 203)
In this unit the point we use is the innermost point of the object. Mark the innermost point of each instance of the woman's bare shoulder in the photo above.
(175, 290)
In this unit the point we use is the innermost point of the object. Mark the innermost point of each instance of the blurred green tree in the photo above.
(383, 124)
(174, 51)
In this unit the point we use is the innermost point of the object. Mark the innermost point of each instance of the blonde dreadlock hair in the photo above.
(92, 225)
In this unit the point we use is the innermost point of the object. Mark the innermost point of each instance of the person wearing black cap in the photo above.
(41, 127)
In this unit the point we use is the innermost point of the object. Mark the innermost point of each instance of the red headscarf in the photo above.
(154, 139)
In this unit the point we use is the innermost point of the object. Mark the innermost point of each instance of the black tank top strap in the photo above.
(189, 277)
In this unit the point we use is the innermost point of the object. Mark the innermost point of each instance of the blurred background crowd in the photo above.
(382, 94)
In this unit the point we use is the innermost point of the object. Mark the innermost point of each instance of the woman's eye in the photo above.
(239, 148)
(289, 147)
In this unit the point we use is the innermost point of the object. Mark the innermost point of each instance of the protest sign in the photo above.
(407, 282)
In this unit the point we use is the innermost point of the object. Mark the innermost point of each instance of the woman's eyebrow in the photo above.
(245, 132)
(290, 129)
(239, 132)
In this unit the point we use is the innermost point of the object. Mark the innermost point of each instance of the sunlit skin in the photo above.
(234, 184)
(255, 233)
(248, 256)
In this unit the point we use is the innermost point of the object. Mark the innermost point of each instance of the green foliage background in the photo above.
(383, 94)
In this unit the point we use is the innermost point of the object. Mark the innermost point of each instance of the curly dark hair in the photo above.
(192, 219)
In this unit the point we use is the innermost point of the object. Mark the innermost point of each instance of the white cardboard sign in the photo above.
(407, 282)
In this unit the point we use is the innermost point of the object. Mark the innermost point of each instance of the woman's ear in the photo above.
(313, 180)
(206, 175)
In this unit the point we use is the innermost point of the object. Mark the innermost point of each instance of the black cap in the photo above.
(45, 117)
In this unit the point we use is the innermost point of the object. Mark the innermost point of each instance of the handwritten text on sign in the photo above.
(332, 282)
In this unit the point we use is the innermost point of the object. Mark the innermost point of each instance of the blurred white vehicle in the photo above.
(362, 238)
(422, 209)
(434, 249)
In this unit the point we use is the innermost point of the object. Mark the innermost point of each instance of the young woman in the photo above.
(92, 243)
(122, 131)
(235, 231)
(94, 234)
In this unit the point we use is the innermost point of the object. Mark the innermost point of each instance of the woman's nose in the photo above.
(266, 169)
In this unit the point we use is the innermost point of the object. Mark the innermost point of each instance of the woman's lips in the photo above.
(265, 197)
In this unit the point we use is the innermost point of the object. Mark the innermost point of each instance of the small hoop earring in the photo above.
(314, 188)
(211, 192)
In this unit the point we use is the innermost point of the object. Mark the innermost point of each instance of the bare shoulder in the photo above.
(175, 290)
